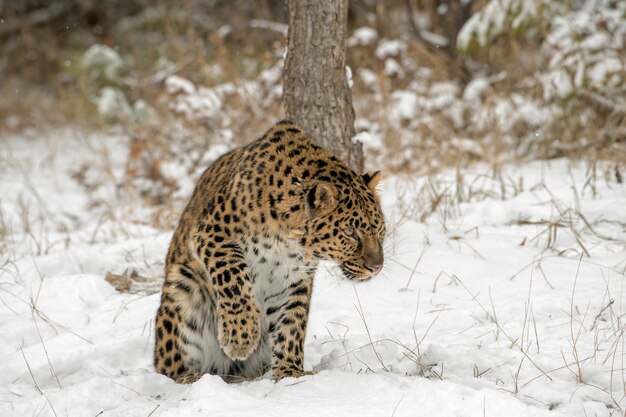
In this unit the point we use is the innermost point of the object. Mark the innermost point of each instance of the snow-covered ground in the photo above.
(502, 295)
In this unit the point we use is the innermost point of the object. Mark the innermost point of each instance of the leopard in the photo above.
(241, 263)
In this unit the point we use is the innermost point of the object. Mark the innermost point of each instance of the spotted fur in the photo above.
(240, 266)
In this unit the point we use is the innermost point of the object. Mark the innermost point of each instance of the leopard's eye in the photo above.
(349, 231)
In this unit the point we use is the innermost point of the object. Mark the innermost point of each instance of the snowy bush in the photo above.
(223, 103)
(583, 49)
(197, 118)
(102, 63)
(112, 104)
(585, 52)
(193, 103)
(574, 92)
(499, 17)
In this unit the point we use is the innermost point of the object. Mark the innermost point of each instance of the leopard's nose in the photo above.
(373, 266)
(372, 257)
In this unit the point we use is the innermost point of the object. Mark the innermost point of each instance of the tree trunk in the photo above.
(316, 92)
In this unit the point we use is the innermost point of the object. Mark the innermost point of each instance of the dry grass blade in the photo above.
(419, 258)
(359, 309)
(511, 340)
(397, 405)
(432, 323)
(30, 371)
(152, 412)
(453, 279)
(36, 312)
(574, 340)
(53, 372)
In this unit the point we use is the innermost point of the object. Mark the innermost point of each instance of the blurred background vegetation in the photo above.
(435, 83)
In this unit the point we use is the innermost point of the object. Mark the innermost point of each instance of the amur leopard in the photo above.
(240, 266)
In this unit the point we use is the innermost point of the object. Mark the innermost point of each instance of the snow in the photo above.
(443, 94)
(349, 76)
(203, 104)
(224, 31)
(112, 103)
(481, 310)
(175, 84)
(434, 39)
(368, 140)
(559, 84)
(266, 24)
(390, 48)
(404, 105)
(475, 89)
(368, 77)
(393, 69)
(144, 112)
(363, 36)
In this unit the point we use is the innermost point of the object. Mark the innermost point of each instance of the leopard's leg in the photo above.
(174, 354)
(287, 328)
(238, 317)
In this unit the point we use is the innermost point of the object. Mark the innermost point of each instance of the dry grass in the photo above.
(442, 203)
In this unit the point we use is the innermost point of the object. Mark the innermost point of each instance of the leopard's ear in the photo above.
(321, 198)
(372, 180)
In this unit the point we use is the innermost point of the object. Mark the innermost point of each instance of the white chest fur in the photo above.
(275, 263)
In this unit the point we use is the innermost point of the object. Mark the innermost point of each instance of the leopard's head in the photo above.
(345, 223)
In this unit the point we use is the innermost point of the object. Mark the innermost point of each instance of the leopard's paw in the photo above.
(239, 334)
(188, 379)
(288, 372)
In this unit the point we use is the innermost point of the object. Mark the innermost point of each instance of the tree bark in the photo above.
(316, 92)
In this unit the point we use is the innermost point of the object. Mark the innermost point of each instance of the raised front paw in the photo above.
(239, 334)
